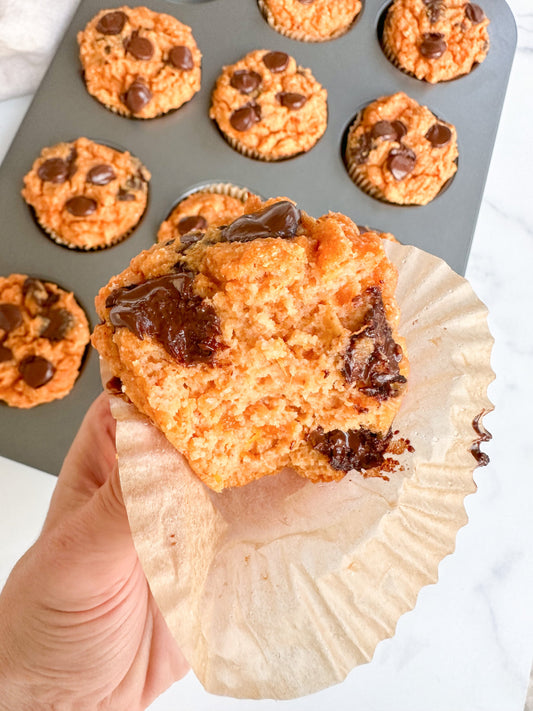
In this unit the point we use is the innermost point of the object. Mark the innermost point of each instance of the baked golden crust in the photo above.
(139, 63)
(43, 336)
(86, 195)
(399, 151)
(435, 40)
(279, 112)
(311, 21)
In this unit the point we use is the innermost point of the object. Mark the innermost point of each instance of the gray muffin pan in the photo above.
(185, 150)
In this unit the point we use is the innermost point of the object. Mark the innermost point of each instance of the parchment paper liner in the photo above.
(280, 588)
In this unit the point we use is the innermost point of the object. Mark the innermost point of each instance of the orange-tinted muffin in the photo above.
(267, 107)
(211, 206)
(310, 20)
(139, 63)
(270, 342)
(86, 195)
(435, 40)
(400, 152)
(43, 336)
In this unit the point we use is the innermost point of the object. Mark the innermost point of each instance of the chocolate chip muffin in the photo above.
(267, 343)
(86, 195)
(267, 107)
(310, 20)
(400, 152)
(139, 63)
(43, 337)
(435, 40)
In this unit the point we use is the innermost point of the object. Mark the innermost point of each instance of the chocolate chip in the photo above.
(81, 206)
(474, 13)
(401, 162)
(389, 131)
(192, 223)
(354, 449)
(167, 309)
(57, 324)
(186, 241)
(137, 96)
(360, 152)
(291, 100)
(280, 219)
(181, 58)
(434, 10)
(5, 354)
(114, 385)
(439, 135)
(54, 170)
(433, 45)
(36, 371)
(244, 118)
(38, 292)
(112, 23)
(276, 61)
(125, 196)
(140, 47)
(10, 317)
(101, 174)
(245, 80)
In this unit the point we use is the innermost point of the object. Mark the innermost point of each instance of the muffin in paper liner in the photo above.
(303, 34)
(280, 588)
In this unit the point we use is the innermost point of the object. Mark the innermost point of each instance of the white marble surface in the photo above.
(468, 645)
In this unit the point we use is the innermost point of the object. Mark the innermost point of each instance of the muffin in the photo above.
(267, 107)
(139, 63)
(268, 343)
(43, 337)
(400, 152)
(86, 195)
(213, 205)
(435, 40)
(310, 20)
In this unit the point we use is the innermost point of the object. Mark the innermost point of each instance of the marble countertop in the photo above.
(468, 644)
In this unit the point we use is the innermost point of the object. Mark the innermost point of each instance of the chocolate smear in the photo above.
(354, 449)
(281, 219)
(434, 10)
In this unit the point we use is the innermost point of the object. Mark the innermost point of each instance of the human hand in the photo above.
(79, 628)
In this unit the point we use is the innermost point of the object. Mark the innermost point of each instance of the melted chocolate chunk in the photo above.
(362, 148)
(140, 47)
(483, 436)
(57, 324)
(401, 162)
(474, 13)
(185, 242)
(54, 170)
(10, 317)
(37, 291)
(354, 449)
(245, 81)
(137, 96)
(5, 354)
(192, 223)
(244, 118)
(434, 10)
(101, 174)
(36, 371)
(433, 45)
(276, 61)
(439, 135)
(112, 23)
(291, 100)
(81, 206)
(281, 219)
(372, 358)
(181, 58)
(389, 130)
(167, 309)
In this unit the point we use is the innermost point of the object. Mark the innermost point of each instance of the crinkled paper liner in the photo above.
(280, 588)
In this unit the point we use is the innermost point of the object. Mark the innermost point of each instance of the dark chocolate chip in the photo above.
(291, 100)
(401, 162)
(474, 13)
(36, 290)
(434, 10)
(140, 47)
(137, 96)
(36, 371)
(112, 23)
(439, 135)
(359, 153)
(433, 45)
(181, 58)
(125, 196)
(192, 223)
(81, 206)
(185, 242)
(5, 354)
(57, 323)
(245, 80)
(54, 170)
(280, 219)
(354, 449)
(276, 61)
(389, 130)
(10, 317)
(244, 118)
(101, 174)
(167, 309)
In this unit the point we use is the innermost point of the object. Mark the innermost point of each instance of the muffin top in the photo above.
(311, 20)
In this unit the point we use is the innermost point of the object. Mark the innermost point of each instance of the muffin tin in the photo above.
(184, 150)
